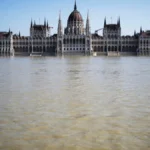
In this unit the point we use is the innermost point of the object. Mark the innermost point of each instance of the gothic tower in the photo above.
(59, 36)
(88, 29)
(88, 38)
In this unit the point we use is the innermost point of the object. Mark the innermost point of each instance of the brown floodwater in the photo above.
(74, 103)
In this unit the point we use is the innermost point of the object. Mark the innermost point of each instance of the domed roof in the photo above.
(75, 15)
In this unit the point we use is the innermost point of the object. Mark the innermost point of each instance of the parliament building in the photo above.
(75, 38)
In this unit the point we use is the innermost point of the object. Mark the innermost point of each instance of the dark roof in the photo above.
(15, 36)
(4, 34)
(147, 33)
(127, 36)
(39, 27)
(112, 26)
(75, 16)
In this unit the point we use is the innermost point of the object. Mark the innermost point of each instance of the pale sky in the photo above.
(17, 14)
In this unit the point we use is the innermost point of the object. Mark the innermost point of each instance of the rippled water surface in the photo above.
(75, 103)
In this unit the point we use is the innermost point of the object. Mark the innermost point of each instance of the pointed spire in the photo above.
(118, 22)
(134, 32)
(88, 25)
(105, 22)
(60, 15)
(19, 34)
(75, 5)
(9, 30)
(31, 24)
(141, 30)
(59, 25)
(44, 21)
(47, 24)
(88, 15)
(87, 21)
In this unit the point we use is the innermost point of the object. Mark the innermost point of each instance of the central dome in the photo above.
(75, 25)
(75, 16)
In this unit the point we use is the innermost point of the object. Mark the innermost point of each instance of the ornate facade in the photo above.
(6, 43)
(75, 38)
(144, 43)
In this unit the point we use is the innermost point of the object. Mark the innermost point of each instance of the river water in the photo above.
(74, 103)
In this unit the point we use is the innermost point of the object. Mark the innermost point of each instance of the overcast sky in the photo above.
(17, 14)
